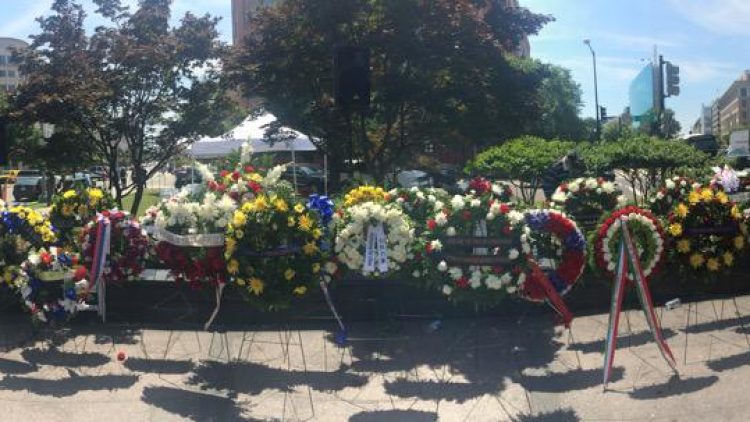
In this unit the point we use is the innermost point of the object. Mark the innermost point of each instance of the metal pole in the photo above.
(596, 92)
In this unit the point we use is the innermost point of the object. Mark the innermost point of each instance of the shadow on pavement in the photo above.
(674, 387)
(252, 378)
(66, 387)
(394, 416)
(633, 340)
(12, 367)
(55, 357)
(580, 379)
(561, 415)
(729, 362)
(159, 366)
(193, 406)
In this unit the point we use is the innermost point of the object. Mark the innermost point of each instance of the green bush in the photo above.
(521, 161)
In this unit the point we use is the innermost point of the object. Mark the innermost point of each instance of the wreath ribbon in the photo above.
(540, 281)
(376, 250)
(627, 258)
(101, 251)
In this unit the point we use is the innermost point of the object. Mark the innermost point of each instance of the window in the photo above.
(3, 60)
(743, 92)
(3, 74)
(11, 73)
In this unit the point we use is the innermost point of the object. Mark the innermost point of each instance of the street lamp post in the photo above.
(596, 92)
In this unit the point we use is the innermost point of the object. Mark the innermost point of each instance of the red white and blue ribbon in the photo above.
(628, 261)
(101, 251)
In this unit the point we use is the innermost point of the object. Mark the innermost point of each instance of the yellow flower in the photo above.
(255, 177)
(722, 198)
(239, 234)
(233, 267)
(241, 282)
(675, 229)
(707, 195)
(300, 290)
(231, 246)
(736, 214)
(299, 208)
(82, 209)
(739, 242)
(317, 233)
(248, 207)
(683, 246)
(69, 194)
(728, 259)
(364, 194)
(697, 260)
(261, 204)
(281, 205)
(95, 196)
(290, 221)
(256, 286)
(310, 248)
(694, 197)
(682, 211)
(240, 219)
(305, 223)
(315, 268)
(289, 274)
(713, 264)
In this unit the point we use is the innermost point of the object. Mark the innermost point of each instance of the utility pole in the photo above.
(596, 92)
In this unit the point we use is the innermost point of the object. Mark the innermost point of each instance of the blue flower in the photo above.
(575, 241)
(71, 294)
(537, 220)
(323, 206)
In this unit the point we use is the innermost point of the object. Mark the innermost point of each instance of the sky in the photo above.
(707, 39)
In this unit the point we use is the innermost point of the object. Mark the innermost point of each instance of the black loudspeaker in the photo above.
(351, 77)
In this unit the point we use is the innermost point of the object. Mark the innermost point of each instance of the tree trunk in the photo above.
(137, 197)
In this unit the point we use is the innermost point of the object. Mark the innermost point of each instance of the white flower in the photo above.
(608, 187)
(245, 153)
(455, 273)
(457, 202)
(622, 200)
(559, 196)
(442, 266)
(591, 183)
(515, 217)
(439, 205)
(205, 172)
(447, 290)
(490, 216)
(659, 196)
(416, 274)
(34, 259)
(574, 187)
(475, 281)
(420, 195)
(431, 199)
(331, 267)
(436, 245)
(441, 219)
(670, 184)
(513, 254)
(451, 231)
(273, 176)
(493, 282)
(476, 203)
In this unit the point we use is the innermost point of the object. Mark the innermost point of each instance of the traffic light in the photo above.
(672, 79)
(603, 113)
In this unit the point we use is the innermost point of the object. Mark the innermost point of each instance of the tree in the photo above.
(670, 127)
(440, 73)
(560, 101)
(137, 87)
(522, 161)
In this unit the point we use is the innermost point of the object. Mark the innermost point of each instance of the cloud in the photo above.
(701, 70)
(719, 16)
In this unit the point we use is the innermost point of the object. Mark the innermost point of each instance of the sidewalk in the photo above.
(486, 370)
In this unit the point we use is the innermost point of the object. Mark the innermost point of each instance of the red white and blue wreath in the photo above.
(559, 247)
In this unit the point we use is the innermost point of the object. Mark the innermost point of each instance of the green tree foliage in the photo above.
(560, 101)
(136, 87)
(522, 161)
(441, 72)
(644, 162)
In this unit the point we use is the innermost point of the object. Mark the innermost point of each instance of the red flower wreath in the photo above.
(128, 246)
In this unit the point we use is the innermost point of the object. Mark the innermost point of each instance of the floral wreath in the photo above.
(707, 230)
(646, 233)
(471, 216)
(419, 204)
(674, 191)
(565, 241)
(364, 194)
(587, 197)
(273, 252)
(129, 246)
(50, 265)
(22, 228)
(354, 226)
(499, 190)
(194, 265)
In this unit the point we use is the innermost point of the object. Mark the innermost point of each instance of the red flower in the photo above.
(462, 283)
(467, 215)
(504, 209)
(428, 248)
(121, 356)
(480, 185)
(80, 273)
(224, 174)
(254, 186)
(236, 175)
(46, 258)
(431, 224)
(249, 169)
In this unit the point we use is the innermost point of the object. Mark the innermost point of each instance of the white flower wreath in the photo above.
(353, 231)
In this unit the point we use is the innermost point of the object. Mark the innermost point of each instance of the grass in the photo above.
(150, 198)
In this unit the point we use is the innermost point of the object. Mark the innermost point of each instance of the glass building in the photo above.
(642, 94)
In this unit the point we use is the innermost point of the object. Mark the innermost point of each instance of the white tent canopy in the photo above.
(252, 130)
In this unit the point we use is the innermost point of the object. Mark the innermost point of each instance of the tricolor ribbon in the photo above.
(554, 299)
(101, 251)
(340, 337)
(628, 261)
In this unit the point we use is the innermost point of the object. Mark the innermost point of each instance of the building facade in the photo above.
(731, 111)
(10, 77)
(704, 124)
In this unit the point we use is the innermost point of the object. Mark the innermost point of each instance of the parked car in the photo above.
(310, 178)
(186, 176)
(28, 188)
(704, 143)
(413, 178)
(77, 180)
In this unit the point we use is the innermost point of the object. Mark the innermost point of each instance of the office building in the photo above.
(10, 77)
(731, 109)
